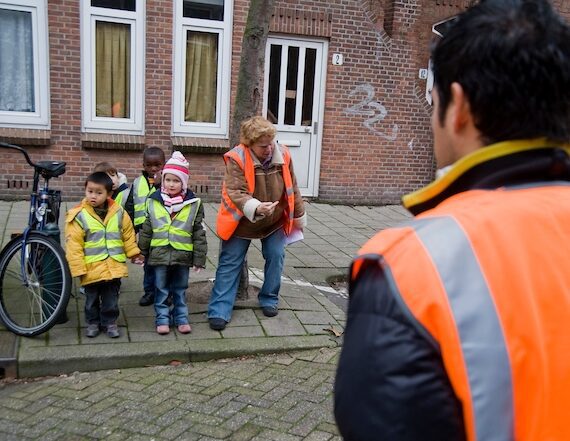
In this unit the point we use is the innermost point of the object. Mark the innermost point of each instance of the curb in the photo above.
(41, 361)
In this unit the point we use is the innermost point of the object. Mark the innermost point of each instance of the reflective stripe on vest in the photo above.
(229, 214)
(102, 241)
(175, 232)
(122, 197)
(141, 191)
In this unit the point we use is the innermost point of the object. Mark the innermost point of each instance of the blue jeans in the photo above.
(171, 279)
(232, 255)
(149, 279)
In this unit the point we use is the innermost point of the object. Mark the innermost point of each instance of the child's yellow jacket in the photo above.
(74, 246)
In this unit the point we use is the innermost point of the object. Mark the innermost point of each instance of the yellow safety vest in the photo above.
(175, 232)
(141, 191)
(102, 241)
(122, 197)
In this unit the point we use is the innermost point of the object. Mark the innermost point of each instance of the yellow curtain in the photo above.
(201, 77)
(113, 69)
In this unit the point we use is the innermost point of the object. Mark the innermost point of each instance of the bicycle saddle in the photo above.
(50, 169)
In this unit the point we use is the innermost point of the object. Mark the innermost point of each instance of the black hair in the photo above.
(512, 59)
(154, 152)
(100, 178)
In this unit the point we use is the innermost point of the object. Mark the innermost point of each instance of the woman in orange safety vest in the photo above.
(260, 200)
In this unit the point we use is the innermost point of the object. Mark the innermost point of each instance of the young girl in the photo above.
(173, 239)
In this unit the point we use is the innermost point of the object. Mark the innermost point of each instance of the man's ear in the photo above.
(460, 109)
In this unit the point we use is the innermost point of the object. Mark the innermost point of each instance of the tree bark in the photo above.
(249, 87)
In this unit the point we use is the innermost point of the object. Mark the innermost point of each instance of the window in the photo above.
(202, 67)
(113, 65)
(24, 90)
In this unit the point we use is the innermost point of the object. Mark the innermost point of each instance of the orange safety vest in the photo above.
(229, 214)
(486, 275)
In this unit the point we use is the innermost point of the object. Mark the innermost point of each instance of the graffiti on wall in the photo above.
(369, 107)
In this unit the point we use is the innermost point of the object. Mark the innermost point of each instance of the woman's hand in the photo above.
(266, 208)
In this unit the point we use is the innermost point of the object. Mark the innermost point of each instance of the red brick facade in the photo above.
(376, 142)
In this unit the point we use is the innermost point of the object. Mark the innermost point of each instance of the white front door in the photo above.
(295, 76)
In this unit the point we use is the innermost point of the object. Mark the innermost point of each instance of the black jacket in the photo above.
(391, 383)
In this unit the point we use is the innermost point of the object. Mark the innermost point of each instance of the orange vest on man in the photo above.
(500, 320)
(229, 214)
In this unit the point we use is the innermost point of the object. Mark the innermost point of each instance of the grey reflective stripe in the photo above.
(173, 237)
(160, 234)
(95, 251)
(482, 340)
(289, 191)
(241, 154)
(234, 213)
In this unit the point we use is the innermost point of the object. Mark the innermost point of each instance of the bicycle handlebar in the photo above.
(15, 147)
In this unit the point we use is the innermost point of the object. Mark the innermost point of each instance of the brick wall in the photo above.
(376, 132)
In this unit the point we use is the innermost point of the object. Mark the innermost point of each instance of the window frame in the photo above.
(40, 118)
(220, 128)
(136, 19)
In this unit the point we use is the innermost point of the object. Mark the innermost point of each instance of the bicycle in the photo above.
(35, 281)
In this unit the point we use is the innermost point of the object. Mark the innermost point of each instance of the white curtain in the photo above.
(16, 61)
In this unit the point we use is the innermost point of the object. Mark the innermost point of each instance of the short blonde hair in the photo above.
(254, 128)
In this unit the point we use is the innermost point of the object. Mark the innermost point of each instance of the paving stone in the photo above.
(286, 323)
(314, 318)
(243, 331)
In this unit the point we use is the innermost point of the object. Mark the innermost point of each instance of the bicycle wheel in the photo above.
(35, 284)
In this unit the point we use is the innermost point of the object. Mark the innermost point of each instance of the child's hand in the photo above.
(197, 269)
(138, 259)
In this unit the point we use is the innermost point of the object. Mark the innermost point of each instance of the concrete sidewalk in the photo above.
(308, 311)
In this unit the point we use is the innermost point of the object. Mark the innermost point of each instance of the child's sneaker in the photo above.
(92, 330)
(113, 331)
(184, 329)
(163, 329)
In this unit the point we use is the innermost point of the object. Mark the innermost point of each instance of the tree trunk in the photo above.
(249, 87)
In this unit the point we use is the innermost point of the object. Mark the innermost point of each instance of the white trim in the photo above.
(136, 20)
(40, 118)
(182, 25)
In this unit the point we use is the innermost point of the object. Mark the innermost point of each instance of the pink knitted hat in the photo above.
(177, 165)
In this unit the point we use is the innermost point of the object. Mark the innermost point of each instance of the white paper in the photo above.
(295, 236)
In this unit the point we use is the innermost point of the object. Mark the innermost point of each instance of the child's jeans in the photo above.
(102, 302)
(149, 280)
(171, 279)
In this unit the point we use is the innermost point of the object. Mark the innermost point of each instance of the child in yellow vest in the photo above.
(99, 237)
(173, 239)
(143, 186)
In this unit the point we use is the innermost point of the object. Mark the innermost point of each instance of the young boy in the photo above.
(99, 236)
(174, 239)
(143, 186)
(121, 189)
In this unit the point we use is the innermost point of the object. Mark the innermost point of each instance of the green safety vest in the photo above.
(175, 232)
(102, 241)
(141, 191)
(122, 197)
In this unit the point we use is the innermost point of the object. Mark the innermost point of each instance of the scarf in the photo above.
(173, 204)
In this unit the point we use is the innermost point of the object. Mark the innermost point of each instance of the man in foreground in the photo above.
(458, 321)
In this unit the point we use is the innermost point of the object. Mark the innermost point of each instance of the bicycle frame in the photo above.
(38, 211)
